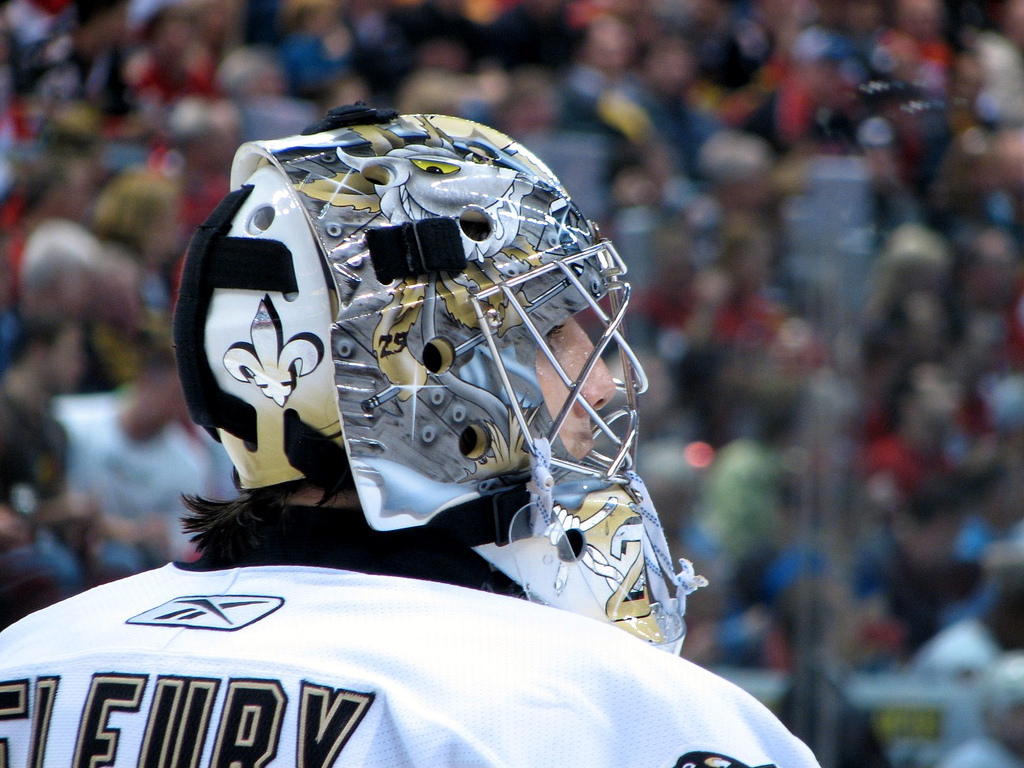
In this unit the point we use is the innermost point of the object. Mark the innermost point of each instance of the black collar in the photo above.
(334, 538)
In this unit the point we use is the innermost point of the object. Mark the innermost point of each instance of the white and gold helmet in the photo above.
(414, 304)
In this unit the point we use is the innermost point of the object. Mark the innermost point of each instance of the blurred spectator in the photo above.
(533, 33)
(730, 329)
(747, 317)
(909, 571)
(862, 23)
(998, 511)
(814, 107)
(441, 35)
(381, 57)
(647, 193)
(65, 51)
(253, 78)
(917, 130)
(528, 110)
(101, 41)
(969, 105)
(174, 61)
(915, 451)
(132, 451)
(219, 23)
(909, 301)
(33, 454)
(816, 608)
(316, 46)
(965, 649)
(260, 23)
(917, 46)
(1002, 61)
(59, 180)
(64, 269)
(989, 270)
(667, 300)
(10, 321)
(600, 94)
(738, 167)
(1005, 401)
(1009, 149)
(30, 577)
(742, 506)
(440, 91)
(730, 49)
(204, 136)
(47, 362)
(138, 215)
(116, 324)
(738, 170)
(966, 191)
(668, 76)
(670, 473)
(988, 274)
(895, 200)
(1002, 701)
(58, 271)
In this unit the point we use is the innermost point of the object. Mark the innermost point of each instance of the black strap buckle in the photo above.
(418, 248)
(487, 519)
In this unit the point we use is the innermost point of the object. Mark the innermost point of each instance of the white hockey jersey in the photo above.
(314, 667)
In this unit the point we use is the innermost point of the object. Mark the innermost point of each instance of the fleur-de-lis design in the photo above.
(268, 362)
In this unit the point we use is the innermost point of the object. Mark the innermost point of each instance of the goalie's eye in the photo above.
(435, 166)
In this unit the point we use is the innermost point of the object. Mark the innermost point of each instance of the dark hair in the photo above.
(226, 530)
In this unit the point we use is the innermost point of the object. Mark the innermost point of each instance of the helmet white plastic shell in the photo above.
(273, 212)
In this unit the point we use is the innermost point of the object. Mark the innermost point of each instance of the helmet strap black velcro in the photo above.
(419, 248)
(484, 520)
(214, 261)
(314, 454)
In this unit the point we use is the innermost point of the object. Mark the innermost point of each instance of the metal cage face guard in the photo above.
(452, 268)
(600, 307)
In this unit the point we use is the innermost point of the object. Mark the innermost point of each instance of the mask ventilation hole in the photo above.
(474, 442)
(476, 224)
(261, 219)
(570, 546)
(376, 174)
(438, 355)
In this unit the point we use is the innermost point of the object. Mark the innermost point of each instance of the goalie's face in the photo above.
(572, 348)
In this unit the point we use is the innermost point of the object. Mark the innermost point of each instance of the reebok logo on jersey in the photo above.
(221, 612)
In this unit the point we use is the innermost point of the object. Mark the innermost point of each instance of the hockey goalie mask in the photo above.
(416, 300)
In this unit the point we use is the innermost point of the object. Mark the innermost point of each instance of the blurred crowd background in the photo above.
(821, 203)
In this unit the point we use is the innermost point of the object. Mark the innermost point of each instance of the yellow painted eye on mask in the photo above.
(435, 166)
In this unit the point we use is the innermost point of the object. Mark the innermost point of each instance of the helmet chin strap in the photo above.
(541, 485)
